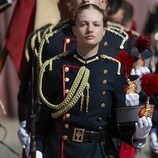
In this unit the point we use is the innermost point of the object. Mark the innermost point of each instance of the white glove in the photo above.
(27, 148)
(23, 135)
(154, 140)
(132, 99)
(39, 154)
(140, 71)
(143, 127)
(10, 1)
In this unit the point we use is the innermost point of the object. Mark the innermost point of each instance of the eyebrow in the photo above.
(90, 21)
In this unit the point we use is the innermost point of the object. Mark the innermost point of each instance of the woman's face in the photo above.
(89, 28)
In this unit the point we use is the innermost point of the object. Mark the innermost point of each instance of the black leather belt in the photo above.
(82, 135)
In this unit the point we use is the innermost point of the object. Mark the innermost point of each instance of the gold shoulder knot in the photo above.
(119, 30)
(113, 59)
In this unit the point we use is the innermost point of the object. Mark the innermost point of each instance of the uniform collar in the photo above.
(84, 60)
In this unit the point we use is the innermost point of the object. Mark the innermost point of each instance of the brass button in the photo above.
(103, 105)
(68, 40)
(105, 71)
(66, 79)
(104, 81)
(67, 115)
(97, 58)
(66, 91)
(66, 69)
(105, 44)
(99, 119)
(65, 137)
(100, 128)
(104, 93)
(66, 125)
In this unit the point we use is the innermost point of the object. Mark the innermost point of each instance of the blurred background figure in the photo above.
(128, 18)
(65, 9)
(123, 14)
(151, 28)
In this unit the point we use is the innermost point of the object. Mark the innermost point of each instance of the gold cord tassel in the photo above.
(119, 68)
(82, 100)
(50, 65)
(87, 97)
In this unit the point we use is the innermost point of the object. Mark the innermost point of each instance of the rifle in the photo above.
(33, 109)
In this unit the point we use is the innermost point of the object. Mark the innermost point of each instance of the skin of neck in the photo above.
(88, 51)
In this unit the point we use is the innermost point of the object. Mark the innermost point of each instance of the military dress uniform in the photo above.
(50, 42)
(77, 116)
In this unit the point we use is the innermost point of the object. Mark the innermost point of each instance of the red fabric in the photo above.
(127, 151)
(134, 26)
(20, 26)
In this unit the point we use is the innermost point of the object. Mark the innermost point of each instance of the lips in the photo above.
(90, 37)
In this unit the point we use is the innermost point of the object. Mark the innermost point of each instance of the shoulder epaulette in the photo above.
(33, 41)
(52, 28)
(118, 30)
(49, 32)
(113, 59)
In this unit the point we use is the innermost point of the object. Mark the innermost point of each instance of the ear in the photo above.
(104, 31)
(103, 4)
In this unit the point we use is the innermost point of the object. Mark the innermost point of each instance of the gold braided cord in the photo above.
(42, 43)
(52, 28)
(39, 36)
(31, 36)
(114, 25)
(118, 30)
(75, 98)
(113, 59)
(31, 40)
(71, 92)
(49, 32)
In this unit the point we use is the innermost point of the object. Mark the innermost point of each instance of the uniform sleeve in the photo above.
(42, 127)
(118, 92)
(125, 132)
(44, 121)
(24, 94)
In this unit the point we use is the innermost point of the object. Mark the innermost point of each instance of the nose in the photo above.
(90, 28)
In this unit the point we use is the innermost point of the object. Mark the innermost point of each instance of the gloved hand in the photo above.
(27, 147)
(23, 135)
(140, 71)
(132, 99)
(154, 140)
(39, 154)
(10, 1)
(143, 127)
